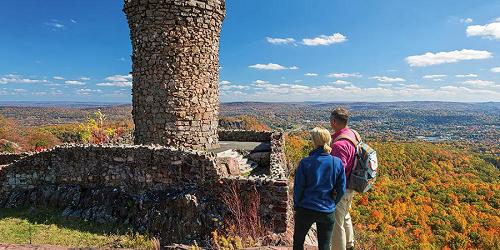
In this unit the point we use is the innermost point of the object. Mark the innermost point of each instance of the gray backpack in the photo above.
(364, 172)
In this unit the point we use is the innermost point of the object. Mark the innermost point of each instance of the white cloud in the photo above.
(429, 58)
(466, 20)
(230, 87)
(433, 76)
(73, 82)
(341, 82)
(10, 78)
(280, 41)
(87, 91)
(115, 84)
(58, 78)
(311, 74)
(409, 86)
(271, 66)
(490, 30)
(344, 75)
(117, 81)
(231, 93)
(55, 24)
(329, 92)
(324, 40)
(467, 94)
(495, 70)
(384, 85)
(224, 82)
(388, 79)
(466, 76)
(260, 82)
(84, 78)
(72, 20)
(20, 90)
(56, 92)
(480, 83)
(119, 78)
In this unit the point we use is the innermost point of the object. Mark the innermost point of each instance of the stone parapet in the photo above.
(174, 194)
(131, 168)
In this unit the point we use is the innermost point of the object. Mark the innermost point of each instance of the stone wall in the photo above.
(175, 194)
(277, 166)
(274, 207)
(175, 71)
(131, 168)
(7, 158)
(171, 215)
(273, 188)
(245, 135)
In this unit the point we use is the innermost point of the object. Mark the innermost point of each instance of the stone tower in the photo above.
(175, 71)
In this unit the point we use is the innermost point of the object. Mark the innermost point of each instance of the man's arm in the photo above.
(298, 185)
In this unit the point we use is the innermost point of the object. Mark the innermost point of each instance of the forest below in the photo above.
(427, 196)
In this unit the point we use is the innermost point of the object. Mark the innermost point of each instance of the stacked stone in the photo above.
(130, 168)
(128, 184)
(175, 71)
(7, 158)
(245, 135)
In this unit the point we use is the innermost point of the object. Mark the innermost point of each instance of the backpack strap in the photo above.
(355, 141)
(356, 134)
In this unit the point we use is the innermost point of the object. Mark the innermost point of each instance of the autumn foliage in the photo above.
(96, 129)
(15, 139)
(246, 122)
(427, 196)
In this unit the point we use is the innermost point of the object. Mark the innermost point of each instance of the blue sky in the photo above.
(322, 50)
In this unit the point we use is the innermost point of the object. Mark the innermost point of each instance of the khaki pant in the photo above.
(343, 233)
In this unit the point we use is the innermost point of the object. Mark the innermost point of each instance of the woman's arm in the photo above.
(340, 182)
(299, 185)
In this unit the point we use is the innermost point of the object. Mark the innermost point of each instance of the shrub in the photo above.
(96, 131)
(242, 226)
(39, 140)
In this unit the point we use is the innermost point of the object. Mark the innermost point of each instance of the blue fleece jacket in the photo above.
(315, 179)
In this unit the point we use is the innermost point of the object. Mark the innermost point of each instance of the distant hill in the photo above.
(471, 123)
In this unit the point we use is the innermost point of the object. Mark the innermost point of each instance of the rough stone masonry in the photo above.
(176, 195)
(175, 71)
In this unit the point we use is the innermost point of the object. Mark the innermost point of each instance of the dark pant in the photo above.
(304, 218)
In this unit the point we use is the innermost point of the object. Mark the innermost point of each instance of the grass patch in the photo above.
(47, 226)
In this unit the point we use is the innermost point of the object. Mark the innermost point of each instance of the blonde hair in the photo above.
(321, 138)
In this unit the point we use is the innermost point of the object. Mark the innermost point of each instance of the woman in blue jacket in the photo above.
(319, 184)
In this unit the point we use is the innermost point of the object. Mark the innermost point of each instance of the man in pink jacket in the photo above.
(343, 148)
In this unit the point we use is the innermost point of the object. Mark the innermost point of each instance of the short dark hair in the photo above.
(340, 115)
